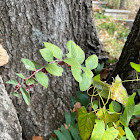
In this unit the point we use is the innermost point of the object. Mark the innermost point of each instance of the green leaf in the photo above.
(37, 65)
(135, 66)
(99, 68)
(67, 118)
(54, 69)
(114, 107)
(110, 134)
(16, 94)
(136, 110)
(91, 62)
(72, 62)
(74, 133)
(139, 92)
(73, 118)
(83, 98)
(106, 116)
(103, 88)
(77, 73)
(85, 122)
(65, 132)
(30, 81)
(71, 46)
(47, 54)
(85, 84)
(98, 131)
(12, 81)
(75, 52)
(81, 55)
(128, 112)
(94, 104)
(88, 72)
(129, 134)
(42, 79)
(57, 52)
(118, 92)
(28, 64)
(26, 95)
(20, 75)
(60, 135)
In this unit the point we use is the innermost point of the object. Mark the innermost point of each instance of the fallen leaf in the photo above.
(4, 58)
(37, 138)
(104, 73)
(76, 106)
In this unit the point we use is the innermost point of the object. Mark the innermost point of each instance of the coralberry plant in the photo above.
(74, 60)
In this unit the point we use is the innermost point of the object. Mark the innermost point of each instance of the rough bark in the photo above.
(130, 53)
(10, 128)
(24, 25)
(122, 4)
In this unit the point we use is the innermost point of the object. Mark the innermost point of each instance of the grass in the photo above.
(112, 34)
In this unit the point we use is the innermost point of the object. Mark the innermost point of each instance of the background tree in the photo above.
(122, 4)
(24, 25)
(130, 53)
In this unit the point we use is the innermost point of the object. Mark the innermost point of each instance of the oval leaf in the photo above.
(57, 52)
(85, 122)
(20, 75)
(72, 62)
(98, 131)
(12, 81)
(26, 95)
(71, 46)
(86, 82)
(118, 92)
(42, 79)
(28, 64)
(91, 62)
(47, 54)
(75, 52)
(77, 73)
(54, 69)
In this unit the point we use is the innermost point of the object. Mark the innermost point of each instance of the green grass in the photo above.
(112, 34)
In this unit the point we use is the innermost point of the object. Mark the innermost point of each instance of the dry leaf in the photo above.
(37, 138)
(53, 135)
(76, 106)
(66, 126)
(104, 73)
(4, 58)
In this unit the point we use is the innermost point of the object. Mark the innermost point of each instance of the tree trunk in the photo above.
(122, 4)
(24, 25)
(130, 53)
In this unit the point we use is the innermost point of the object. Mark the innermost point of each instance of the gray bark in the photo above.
(130, 53)
(122, 4)
(10, 128)
(26, 24)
